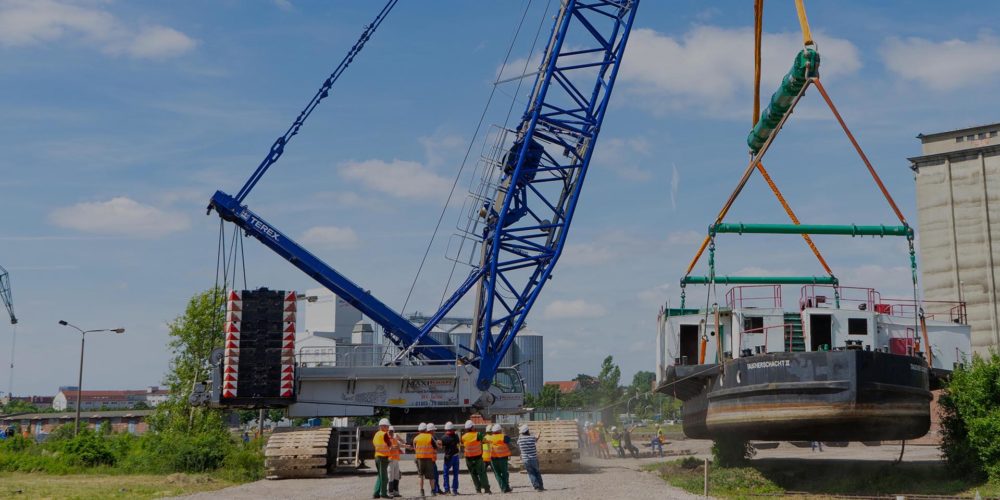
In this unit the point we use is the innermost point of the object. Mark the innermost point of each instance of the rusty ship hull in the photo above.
(846, 395)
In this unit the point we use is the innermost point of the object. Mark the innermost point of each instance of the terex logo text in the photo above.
(264, 228)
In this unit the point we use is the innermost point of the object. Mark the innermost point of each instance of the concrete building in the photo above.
(958, 207)
(328, 333)
(38, 425)
(65, 399)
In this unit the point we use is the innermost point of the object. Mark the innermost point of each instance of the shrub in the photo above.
(89, 449)
(15, 444)
(970, 423)
(728, 452)
(245, 462)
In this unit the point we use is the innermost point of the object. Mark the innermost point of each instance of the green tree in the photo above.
(970, 423)
(642, 381)
(608, 382)
(193, 336)
(18, 406)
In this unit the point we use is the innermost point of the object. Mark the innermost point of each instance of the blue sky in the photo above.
(122, 118)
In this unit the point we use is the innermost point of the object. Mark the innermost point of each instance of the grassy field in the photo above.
(99, 486)
(816, 478)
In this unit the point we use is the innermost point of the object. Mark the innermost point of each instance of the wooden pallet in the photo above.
(299, 453)
(558, 445)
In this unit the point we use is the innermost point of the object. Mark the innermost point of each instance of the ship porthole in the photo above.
(739, 377)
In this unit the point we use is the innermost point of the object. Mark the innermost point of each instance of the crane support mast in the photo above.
(544, 171)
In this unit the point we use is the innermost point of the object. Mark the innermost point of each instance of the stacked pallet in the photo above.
(298, 453)
(558, 445)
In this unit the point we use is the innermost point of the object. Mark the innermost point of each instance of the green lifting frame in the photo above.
(761, 280)
(836, 229)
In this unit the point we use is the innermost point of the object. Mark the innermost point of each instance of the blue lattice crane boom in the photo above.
(6, 296)
(525, 222)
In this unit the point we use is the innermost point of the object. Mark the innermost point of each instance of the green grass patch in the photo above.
(820, 477)
(100, 486)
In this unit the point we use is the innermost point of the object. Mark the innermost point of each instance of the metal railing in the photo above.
(745, 296)
(357, 355)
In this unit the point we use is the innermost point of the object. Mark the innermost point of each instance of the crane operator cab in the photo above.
(507, 392)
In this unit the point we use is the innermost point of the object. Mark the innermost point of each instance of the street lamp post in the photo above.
(79, 382)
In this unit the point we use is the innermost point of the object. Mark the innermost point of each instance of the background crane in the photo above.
(8, 302)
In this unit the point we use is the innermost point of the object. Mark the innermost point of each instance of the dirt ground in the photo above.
(616, 478)
(604, 479)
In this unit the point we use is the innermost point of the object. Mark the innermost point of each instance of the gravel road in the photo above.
(605, 479)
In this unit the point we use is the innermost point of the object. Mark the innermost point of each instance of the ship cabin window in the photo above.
(857, 326)
(689, 345)
(753, 324)
(820, 331)
(960, 139)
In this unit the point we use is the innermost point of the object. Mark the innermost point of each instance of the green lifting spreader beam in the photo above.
(805, 66)
(838, 229)
(761, 280)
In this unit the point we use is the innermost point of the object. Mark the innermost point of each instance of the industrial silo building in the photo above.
(958, 205)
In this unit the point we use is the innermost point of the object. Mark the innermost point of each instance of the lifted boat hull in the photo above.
(849, 395)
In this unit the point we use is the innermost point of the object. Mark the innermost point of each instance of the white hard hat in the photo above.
(391, 428)
(523, 428)
(614, 428)
(431, 427)
(496, 428)
(384, 421)
(449, 426)
(422, 427)
(469, 424)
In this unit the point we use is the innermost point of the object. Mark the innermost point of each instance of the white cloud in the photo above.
(330, 237)
(585, 254)
(158, 42)
(675, 185)
(655, 296)
(285, 5)
(704, 67)
(398, 178)
(31, 22)
(622, 156)
(689, 237)
(579, 308)
(119, 216)
(946, 65)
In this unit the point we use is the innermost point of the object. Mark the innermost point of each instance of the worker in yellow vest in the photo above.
(395, 450)
(383, 444)
(473, 448)
(425, 448)
(499, 453)
(487, 453)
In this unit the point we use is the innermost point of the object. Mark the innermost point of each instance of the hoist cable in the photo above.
(510, 110)
(468, 151)
(279, 144)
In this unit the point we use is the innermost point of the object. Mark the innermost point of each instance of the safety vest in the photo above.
(498, 446)
(394, 451)
(424, 446)
(486, 448)
(473, 447)
(381, 449)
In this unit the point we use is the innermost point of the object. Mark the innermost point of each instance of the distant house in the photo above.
(39, 401)
(565, 386)
(38, 425)
(65, 400)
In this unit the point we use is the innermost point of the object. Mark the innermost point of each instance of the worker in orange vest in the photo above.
(500, 452)
(395, 450)
(383, 445)
(425, 448)
(473, 448)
